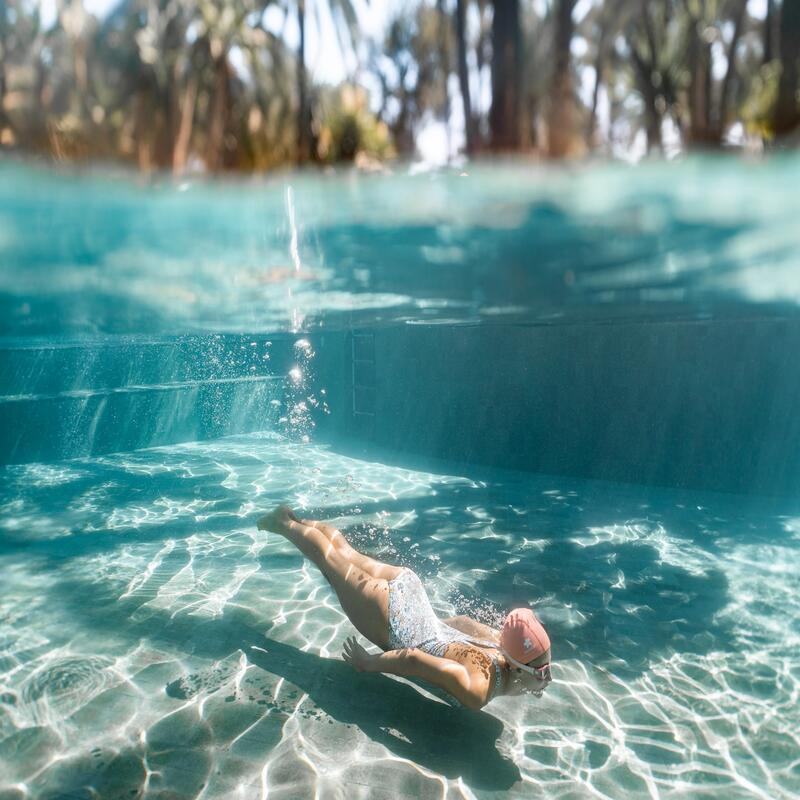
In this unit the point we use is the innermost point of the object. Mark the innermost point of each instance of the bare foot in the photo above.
(277, 520)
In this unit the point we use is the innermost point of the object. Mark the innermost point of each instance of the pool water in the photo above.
(171, 365)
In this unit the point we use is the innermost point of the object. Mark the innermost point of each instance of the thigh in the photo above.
(373, 567)
(364, 598)
(377, 569)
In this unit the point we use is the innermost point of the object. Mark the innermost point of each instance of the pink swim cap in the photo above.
(523, 636)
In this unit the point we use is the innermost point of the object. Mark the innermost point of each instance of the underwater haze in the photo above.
(572, 389)
(96, 255)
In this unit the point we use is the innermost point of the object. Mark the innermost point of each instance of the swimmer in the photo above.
(389, 606)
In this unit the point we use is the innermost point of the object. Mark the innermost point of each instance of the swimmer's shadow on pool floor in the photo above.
(446, 739)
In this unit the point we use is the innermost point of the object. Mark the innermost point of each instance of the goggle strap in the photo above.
(536, 671)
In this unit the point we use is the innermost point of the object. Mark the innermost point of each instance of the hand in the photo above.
(355, 655)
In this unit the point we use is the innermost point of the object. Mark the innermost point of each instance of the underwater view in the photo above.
(572, 389)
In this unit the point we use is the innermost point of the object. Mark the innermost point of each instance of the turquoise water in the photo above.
(177, 358)
(109, 256)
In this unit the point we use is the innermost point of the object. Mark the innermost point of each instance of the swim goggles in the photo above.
(542, 673)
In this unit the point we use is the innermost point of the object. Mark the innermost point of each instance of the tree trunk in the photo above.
(463, 75)
(599, 64)
(142, 117)
(504, 115)
(164, 124)
(170, 93)
(769, 32)
(561, 117)
(730, 72)
(219, 116)
(70, 15)
(303, 137)
(530, 133)
(644, 71)
(180, 152)
(699, 87)
(787, 107)
(3, 117)
(444, 64)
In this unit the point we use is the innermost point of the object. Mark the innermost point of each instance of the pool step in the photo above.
(87, 399)
(41, 367)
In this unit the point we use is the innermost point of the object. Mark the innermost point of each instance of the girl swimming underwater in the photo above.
(389, 606)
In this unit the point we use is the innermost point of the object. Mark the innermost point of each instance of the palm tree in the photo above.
(769, 32)
(504, 114)
(21, 37)
(787, 106)
(470, 132)
(411, 72)
(176, 94)
(345, 21)
(303, 117)
(601, 25)
(709, 102)
(562, 98)
(653, 46)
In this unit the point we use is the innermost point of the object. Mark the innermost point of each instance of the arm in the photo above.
(473, 628)
(469, 689)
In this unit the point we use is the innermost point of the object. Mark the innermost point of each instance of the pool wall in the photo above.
(696, 404)
(87, 398)
(693, 404)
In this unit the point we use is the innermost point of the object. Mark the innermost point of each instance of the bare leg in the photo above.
(364, 598)
(378, 569)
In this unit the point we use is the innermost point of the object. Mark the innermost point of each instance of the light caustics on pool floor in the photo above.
(153, 643)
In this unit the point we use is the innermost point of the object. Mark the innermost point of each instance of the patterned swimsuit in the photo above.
(413, 622)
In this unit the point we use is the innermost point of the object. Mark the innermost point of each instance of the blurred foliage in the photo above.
(349, 130)
(412, 71)
(209, 84)
(758, 106)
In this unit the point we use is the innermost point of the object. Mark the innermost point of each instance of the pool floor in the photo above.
(154, 644)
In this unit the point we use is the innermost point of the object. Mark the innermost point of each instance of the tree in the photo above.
(787, 106)
(769, 32)
(709, 101)
(504, 115)
(470, 130)
(412, 67)
(167, 84)
(651, 40)
(562, 97)
(21, 36)
(303, 116)
(345, 22)
(601, 25)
